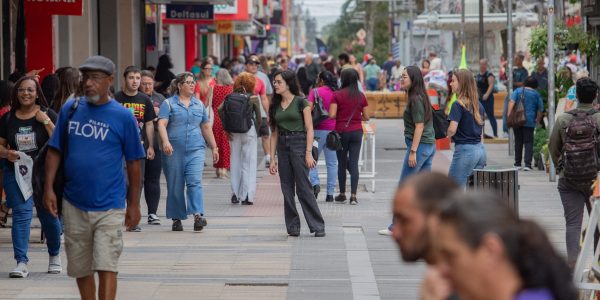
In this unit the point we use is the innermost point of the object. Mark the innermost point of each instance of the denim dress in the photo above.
(183, 169)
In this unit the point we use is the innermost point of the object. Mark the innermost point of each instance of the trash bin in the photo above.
(504, 182)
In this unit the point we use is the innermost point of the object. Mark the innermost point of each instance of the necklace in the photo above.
(290, 103)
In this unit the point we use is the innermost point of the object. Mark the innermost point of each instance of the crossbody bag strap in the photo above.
(352, 115)
(65, 143)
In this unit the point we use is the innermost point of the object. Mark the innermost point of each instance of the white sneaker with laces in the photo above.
(20, 271)
(153, 219)
(54, 265)
(526, 169)
(385, 232)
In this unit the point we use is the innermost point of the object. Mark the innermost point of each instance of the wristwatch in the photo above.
(46, 122)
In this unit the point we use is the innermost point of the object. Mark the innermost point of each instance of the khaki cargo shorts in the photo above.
(93, 240)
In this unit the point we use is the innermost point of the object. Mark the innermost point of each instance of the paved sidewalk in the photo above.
(245, 253)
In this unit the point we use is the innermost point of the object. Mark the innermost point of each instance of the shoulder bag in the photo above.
(319, 113)
(334, 140)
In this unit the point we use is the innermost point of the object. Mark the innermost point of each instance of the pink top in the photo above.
(326, 95)
(259, 87)
(345, 107)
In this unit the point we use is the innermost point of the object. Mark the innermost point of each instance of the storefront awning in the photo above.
(492, 22)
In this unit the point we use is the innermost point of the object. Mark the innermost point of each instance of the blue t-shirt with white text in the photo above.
(99, 138)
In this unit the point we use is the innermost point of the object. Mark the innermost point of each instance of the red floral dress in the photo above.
(219, 94)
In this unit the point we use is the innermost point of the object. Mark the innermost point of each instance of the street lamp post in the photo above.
(509, 58)
(462, 23)
(551, 78)
(481, 31)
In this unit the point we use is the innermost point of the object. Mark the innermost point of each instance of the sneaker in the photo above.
(153, 219)
(20, 271)
(320, 233)
(135, 228)
(329, 198)
(518, 168)
(340, 198)
(385, 232)
(316, 190)
(199, 223)
(527, 169)
(54, 265)
(246, 202)
(234, 199)
(177, 225)
(353, 200)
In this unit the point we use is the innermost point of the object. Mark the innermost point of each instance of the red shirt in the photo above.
(345, 107)
(259, 87)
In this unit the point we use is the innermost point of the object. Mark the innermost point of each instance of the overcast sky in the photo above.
(325, 12)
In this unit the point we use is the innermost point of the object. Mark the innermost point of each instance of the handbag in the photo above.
(517, 114)
(319, 114)
(209, 101)
(440, 124)
(334, 140)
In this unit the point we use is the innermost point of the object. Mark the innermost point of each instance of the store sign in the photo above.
(244, 28)
(224, 27)
(55, 7)
(590, 7)
(189, 12)
(223, 9)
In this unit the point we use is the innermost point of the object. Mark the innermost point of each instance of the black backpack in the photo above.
(579, 161)
(237, 113)
(440, 123)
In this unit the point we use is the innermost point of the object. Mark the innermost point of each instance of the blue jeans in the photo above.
(425, 153)
(372, 84)
(22, 214)
(488, 106)
(183, 171)
(466, 158)
(330, 161)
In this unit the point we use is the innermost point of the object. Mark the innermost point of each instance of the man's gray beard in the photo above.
(93, 99)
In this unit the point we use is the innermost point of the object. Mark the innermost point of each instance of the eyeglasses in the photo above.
(93, 77)
(277, 82)
(146, 84)
(190, 82)
(23, 90)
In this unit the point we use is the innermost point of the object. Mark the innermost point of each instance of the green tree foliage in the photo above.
(341, 35)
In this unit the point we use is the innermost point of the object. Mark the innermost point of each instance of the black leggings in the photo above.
(348, 159)
(152, 181)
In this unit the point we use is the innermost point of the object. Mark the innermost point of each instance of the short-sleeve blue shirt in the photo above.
(184, 123)
(99, 137)
(533, 104)
(468, 131)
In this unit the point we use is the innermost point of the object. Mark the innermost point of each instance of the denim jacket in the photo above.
(184, 124)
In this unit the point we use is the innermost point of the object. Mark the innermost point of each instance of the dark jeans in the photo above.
(348, 159)
(293, 174)
(573, 199)
(152, 180)
(523, 138)
(488, 106)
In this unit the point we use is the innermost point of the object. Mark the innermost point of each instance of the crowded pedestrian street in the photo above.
(244, 253)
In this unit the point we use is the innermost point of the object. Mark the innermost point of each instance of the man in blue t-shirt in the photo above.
(93, 135)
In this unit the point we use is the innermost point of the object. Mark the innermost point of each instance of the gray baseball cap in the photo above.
(98, 63)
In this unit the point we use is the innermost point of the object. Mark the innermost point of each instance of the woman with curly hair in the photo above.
(243, 145)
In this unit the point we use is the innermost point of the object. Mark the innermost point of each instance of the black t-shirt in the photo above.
(28, 136)
(140, 105)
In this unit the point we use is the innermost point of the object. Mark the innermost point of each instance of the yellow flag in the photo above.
(463, 65)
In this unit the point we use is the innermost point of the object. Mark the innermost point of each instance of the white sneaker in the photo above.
(20, 271)
(385, 232)
(153, 219)
(54, 265)
(526, 169)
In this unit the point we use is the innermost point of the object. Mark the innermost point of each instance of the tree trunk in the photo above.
(370, 20)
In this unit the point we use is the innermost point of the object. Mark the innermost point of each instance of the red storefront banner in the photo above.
(55, 7)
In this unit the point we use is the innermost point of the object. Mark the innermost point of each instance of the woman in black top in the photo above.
(25, 130)
(164, 76)
(291, 139)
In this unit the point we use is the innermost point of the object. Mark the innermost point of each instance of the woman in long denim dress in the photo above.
(466, 128)
(418, 128)
(184, 129)
(291, 140)
(26, 129)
